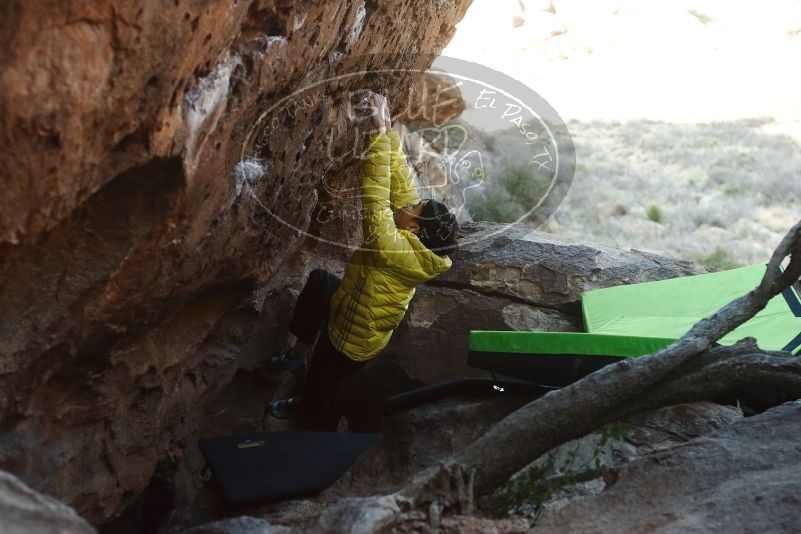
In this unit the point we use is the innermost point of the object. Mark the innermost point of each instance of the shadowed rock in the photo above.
(239, 525)
(146, 196)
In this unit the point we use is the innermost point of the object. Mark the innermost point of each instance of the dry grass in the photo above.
(720, 193)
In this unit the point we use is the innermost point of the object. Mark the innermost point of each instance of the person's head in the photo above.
(432, 222)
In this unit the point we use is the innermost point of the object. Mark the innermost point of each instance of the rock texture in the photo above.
(239, 525)
(583, 467)
(434, 100)
(698, 467)
(742, 478)
(418, 438)
(23, 511)
(143, 190)
(543, 270)
(431, 342)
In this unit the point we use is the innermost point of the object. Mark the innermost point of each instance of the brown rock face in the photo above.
(434, 100)
(142, 192)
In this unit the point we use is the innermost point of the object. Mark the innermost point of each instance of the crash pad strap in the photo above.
(793, 300)
(794, 345)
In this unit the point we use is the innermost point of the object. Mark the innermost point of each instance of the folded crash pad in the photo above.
(669, 308)
(553, 359)
(278, 465)
(635, 320)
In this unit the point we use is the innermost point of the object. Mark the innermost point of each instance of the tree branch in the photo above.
(722, 370)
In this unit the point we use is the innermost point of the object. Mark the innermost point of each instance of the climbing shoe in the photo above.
(285, 408)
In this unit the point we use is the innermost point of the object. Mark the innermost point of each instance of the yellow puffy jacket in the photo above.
(381, 275)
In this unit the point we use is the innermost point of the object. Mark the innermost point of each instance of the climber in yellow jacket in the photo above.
(406, 242)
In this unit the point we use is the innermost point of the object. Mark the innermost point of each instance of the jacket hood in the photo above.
(430, 264)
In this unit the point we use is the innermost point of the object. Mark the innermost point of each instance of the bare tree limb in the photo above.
(721, 370)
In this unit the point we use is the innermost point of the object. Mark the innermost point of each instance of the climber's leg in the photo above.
(308, 317)
(328, 369)
(311, 308)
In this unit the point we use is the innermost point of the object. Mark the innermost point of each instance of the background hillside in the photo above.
(685, 117)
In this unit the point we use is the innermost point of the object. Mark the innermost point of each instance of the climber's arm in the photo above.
(381, 236)
(402, 190)
(378, 223)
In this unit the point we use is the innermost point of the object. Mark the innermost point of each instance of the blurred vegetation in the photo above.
(489, 140)
(724, 193)
(655, 214)
(509, 197)
(719, 260)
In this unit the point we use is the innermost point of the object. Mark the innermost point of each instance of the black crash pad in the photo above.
(278, 465)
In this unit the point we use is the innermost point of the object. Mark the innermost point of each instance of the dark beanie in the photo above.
(438, 227)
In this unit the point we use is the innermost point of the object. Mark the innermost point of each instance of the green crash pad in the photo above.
(563, 343)
(669, 308)
(553, 359)
(635, 320)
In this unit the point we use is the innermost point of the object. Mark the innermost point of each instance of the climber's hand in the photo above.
(380, 112)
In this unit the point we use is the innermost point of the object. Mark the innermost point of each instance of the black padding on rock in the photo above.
(278, 465)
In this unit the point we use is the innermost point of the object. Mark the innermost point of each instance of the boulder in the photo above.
(741, 478)
(540, 269)
(434, 100)
(418, 438)
(581, 467)
(155, 176)
(157, 185)
(239, 525)
(23, 511)
(431, 342)
(574, 486)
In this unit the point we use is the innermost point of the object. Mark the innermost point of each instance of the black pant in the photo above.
(328, 367)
